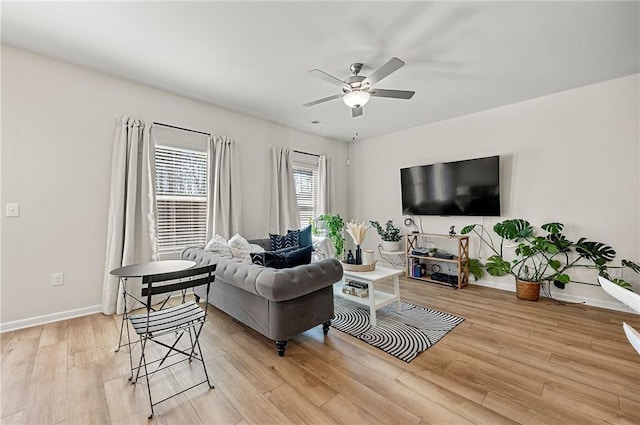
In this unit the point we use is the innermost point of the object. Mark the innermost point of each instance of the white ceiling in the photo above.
(254, 57)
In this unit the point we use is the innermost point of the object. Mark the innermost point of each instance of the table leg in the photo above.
(396, 291)
(372, 304)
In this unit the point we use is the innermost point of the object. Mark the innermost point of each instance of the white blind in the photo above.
(306, 180)
(181, 192)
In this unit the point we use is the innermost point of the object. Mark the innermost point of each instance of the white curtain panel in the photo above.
(132, 232)
(284, 205)
(223, 196)
(325, 185)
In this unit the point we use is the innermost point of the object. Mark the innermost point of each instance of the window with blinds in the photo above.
(181, 196)
(306, 180)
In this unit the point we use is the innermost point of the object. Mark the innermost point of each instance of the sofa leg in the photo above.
(281, 346)
(325, 327)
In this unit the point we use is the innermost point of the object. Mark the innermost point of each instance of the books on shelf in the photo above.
(356, 289)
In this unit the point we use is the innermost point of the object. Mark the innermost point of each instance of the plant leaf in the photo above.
(468, 229)
(514, 229)
(564, 278)
(595, 251)
(555, 264)
(496, 266)
(633, 266)
(553, 228)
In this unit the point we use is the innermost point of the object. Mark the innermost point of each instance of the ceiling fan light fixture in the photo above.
(356, 98)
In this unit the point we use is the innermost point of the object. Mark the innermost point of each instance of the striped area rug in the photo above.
(403, 335)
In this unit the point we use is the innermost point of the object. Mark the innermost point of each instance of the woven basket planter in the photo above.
(528, 291)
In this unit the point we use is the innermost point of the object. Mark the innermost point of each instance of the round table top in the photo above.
(152, 267)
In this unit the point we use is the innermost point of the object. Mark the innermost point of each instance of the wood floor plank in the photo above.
(86, 399)
(306, 384)
(252, 404)
(298, 408)
(345, 412)
(376, 404)
(46, 400)
(15, 374)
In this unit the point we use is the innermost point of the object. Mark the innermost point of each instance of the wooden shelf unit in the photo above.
(461, 261)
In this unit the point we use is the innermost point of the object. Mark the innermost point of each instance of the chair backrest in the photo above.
(175, 281)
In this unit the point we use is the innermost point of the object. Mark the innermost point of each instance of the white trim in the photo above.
(610, 305)
(49, 318)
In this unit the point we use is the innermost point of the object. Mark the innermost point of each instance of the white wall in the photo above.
(571, 157)
(58, 124)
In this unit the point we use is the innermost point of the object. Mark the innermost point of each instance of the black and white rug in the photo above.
(403, 335)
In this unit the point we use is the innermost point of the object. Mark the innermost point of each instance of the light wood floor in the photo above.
(510, 362)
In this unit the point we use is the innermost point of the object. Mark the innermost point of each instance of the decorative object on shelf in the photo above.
(333, 225)
(452, 231)
(538, 258)
(390, 235)
(350, 258)
(367, 256)
(357, 230)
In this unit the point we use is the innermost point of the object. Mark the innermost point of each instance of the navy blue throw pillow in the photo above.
(268, 259)
(304, 236)
(290, 240)
(298, 257)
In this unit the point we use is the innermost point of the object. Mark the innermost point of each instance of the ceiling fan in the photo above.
(357, 89)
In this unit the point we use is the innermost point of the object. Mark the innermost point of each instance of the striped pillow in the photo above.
(290, 240)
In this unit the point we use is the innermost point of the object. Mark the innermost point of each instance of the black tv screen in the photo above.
(470, 187)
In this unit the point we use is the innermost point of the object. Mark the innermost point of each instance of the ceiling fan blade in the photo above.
(396, 94)
(325, 99)
(327, 77)
(391, 66)
(356, 112)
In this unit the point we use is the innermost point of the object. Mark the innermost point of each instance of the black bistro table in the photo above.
(140, 270)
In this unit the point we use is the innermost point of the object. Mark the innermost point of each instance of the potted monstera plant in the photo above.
(538, 257)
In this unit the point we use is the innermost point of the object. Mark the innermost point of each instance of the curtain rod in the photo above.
(181, 128)
(307, 153)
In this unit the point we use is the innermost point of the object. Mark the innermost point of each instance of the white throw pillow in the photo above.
(240, 247)
(218, 245)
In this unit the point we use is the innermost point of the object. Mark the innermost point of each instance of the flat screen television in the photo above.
(470, 187)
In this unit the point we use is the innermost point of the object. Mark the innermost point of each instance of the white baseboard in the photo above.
(610, 305)
(49, 318)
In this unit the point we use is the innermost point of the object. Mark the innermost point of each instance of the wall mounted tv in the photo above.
(468, 188)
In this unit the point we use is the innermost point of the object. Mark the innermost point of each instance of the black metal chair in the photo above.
(186, 318)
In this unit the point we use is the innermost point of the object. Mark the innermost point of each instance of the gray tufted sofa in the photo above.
(278, 303)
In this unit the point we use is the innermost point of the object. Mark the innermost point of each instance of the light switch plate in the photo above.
(13, 210)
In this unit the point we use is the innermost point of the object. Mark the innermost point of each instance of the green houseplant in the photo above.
(545, 257)
(334, 225)
(389, 234)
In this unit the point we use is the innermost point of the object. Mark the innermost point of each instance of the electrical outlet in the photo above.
(616, 272)
(57, 279)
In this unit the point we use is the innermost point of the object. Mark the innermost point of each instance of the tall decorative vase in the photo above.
(358, 255)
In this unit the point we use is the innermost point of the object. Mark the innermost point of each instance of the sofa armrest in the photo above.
(287, 284)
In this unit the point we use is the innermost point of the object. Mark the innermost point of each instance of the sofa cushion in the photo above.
(218, 245)
(297, 257)
(284, 258)
(305, 238)
(241, 248)
(268, 259)
(284, 241)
